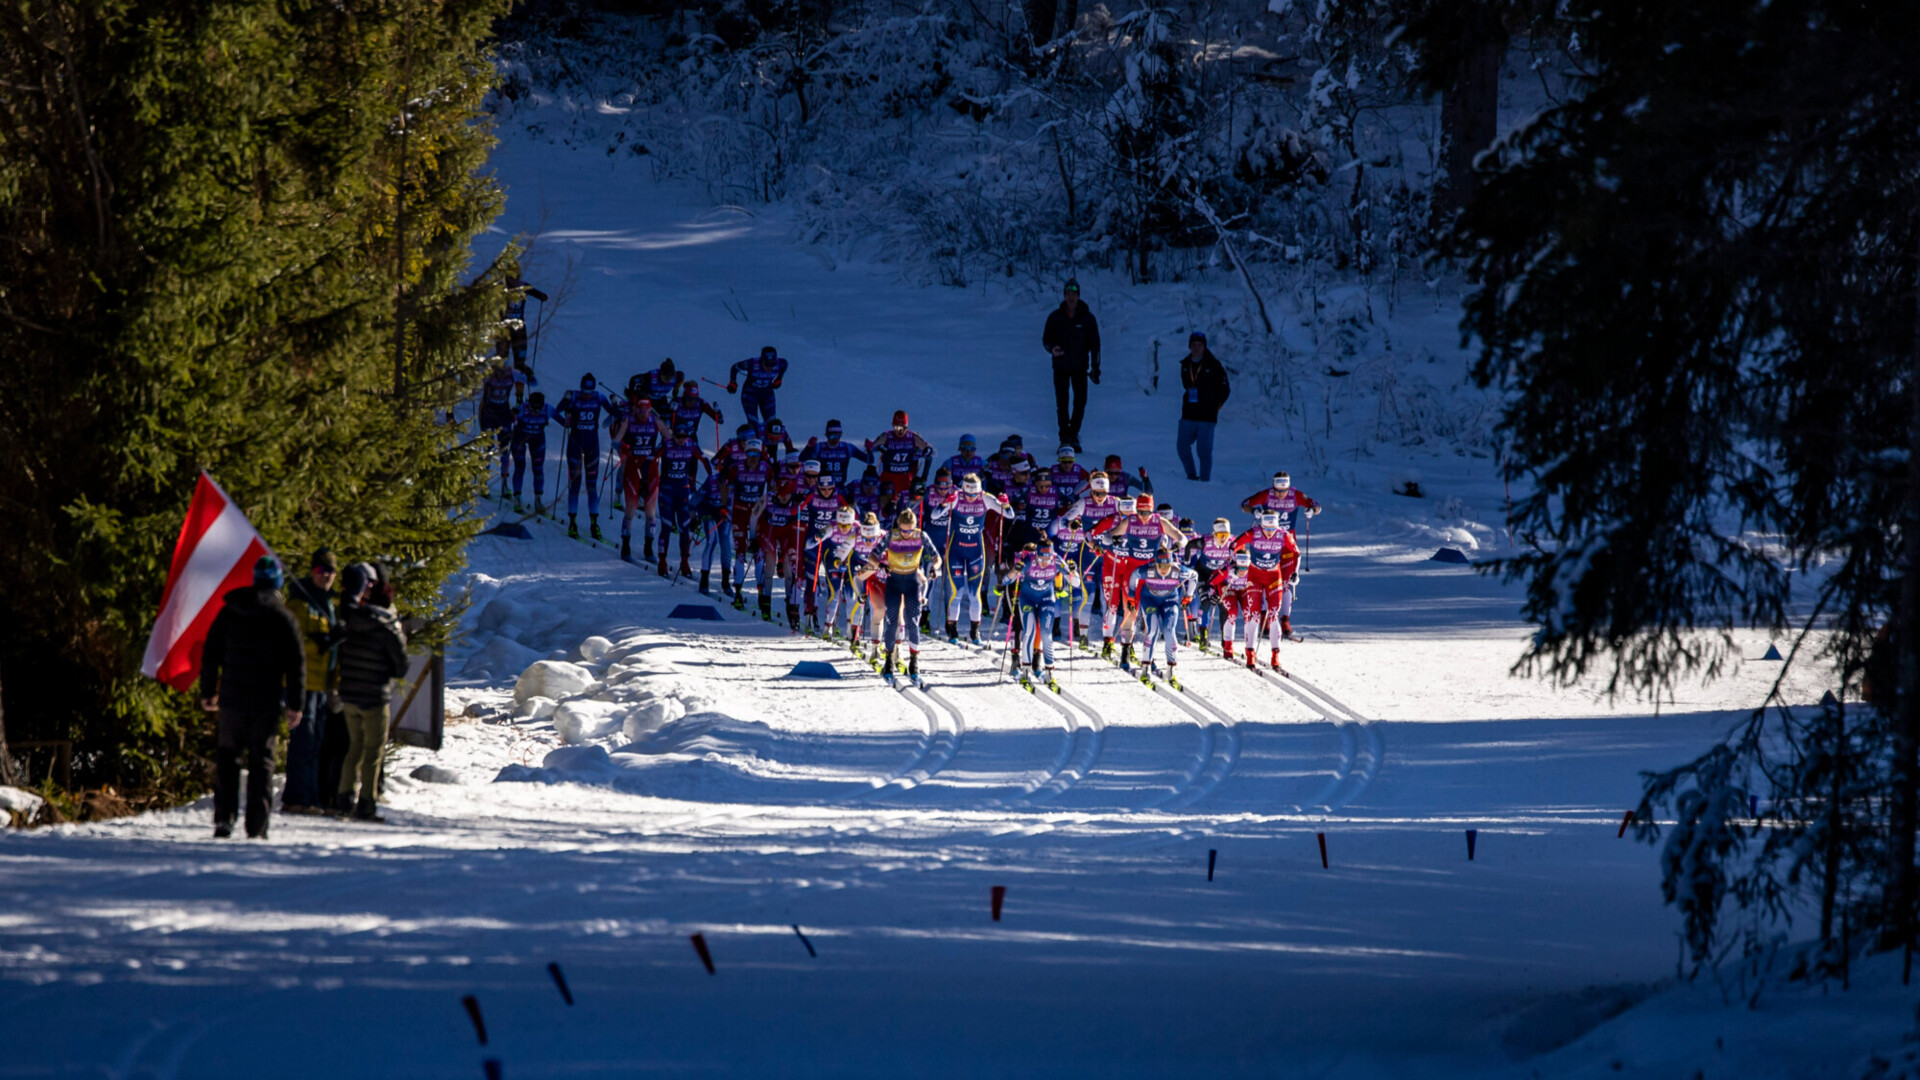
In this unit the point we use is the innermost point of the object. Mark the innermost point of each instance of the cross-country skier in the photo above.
(833, 571)
(1120, 483)
(1282, 498)
(968, 460)
(1041, 580)
(909, 558)
(530, 440)
(496, 411)
(1208, 555)
(1069, 477)
(1275, 571)
(1159, 592)
(778, 439)
(901, 455)
(819, 513)
(678, 467)
(755, 379)
(580, 410)
(834, 454)
(748, 488)
(516, 318)
(1092, 510)
(780, 554)
(868, 495)
(639, 435)
(1070, 543)
(686, 415)
(712, 514)
(1129, 542)
(966, 556)
(662, 386)
(730, 454)
(870, 583)
(1240, 601)
(937, 522)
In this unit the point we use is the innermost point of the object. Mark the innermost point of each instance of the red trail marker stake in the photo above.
(700, 946)
(473, 1013)
(1323, 849)
(1212, 854)
(1472, 835)
(1624, 822)
(999, 897)
(492, 1068)
(560, 981)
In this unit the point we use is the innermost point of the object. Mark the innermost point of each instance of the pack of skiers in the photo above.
(1048, 552)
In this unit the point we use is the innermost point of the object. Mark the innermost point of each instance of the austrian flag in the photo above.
(215, 553)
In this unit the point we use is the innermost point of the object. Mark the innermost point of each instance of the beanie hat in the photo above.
(900, 417)
(267, 573)
(324, 559)
(355, 579)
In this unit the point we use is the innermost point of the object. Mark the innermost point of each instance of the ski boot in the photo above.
(953, 632)
(626, 548)
(1020, 673)
(1052, 683)
(706, 583)
(540, 508)
(518, 506)
(647, 554)
(793, 617)
(1252, 661)
(1226, 649)
(1201, 639)
(593, 527)
(1172, 679)
(573, 526)
(1126, 657)
(739, 599)
(661, 566)
(913, 667)
(973, 634)
(686, 569)
(1149, 673)
(886, 670)
(1106, 649)
(1275, 660)
(766, 608)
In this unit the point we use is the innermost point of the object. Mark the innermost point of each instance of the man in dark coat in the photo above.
(1204, 388)
(1072, 337)
(373, 653)
(253, 673)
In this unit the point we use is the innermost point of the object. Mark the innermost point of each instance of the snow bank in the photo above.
(556, 679)
(580, 721)
(16, 799)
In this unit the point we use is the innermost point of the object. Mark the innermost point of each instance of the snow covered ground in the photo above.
(693, 785)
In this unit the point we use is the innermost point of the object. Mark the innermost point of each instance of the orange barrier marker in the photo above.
(1323, 849)
(999, 897)
(700, 946)
(473, 1013)
(1624, 822)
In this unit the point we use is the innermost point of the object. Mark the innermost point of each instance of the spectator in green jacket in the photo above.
(311, 601)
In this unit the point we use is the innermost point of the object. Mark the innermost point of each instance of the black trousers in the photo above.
(1070, 397)
(252, 733)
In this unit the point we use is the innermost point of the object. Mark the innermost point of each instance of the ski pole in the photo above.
(1306, 541)
(1009, 645)
(533, 362)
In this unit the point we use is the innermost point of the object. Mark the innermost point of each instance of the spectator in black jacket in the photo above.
(373, 653)
(253, 672)
(1203, 380)
(1072, 337)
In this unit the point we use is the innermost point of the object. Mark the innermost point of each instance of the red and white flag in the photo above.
(215, 553)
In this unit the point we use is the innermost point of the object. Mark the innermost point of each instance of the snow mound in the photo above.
(651, 716)
(595, 649)
(580, 721)
(498, 658)
(436, 774)
(535, 708)
(16, 799)
(556, 679)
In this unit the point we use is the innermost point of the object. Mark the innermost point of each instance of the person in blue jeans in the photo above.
(1204, 389)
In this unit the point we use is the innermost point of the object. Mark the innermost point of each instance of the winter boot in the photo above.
(573, 526)
(365, 810)
(593, 528)
(953, 632)
(1286, 626)
(626, 547)
(706, 583)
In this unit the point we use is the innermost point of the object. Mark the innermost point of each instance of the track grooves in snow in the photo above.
(1084, 745)
(1359, 765)
(1222, 747)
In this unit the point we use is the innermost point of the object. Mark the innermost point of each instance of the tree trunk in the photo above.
(1040, 18)
(1830, 880)
(1903, 811)
(1469, 114)
(6, 758)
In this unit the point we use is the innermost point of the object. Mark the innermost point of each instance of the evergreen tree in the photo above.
(1697, 280)
(235, 230)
